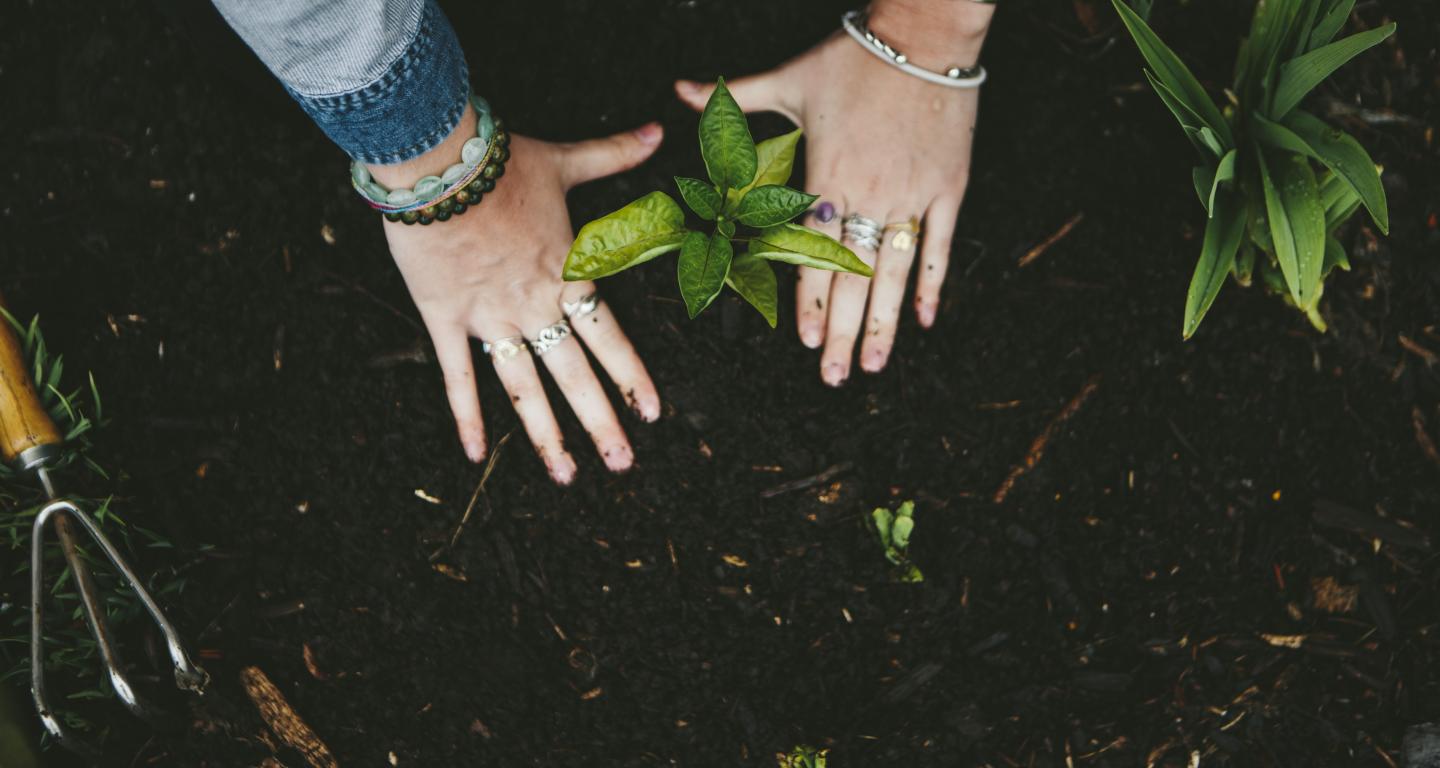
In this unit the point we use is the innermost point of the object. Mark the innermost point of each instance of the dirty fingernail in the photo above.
(834, 374)
(649, 411)
(562, 469)
(619, 458)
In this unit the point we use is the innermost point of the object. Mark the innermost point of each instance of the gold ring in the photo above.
(906, 233)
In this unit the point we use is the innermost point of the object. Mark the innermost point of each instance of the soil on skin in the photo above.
(1147, 592)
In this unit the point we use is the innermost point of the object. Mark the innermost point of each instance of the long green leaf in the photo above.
(1223, 233)
(754, 279)
(1343, 155)
(1347, 160)
(1331, 21)
(725, 141)
(1173, 72)
(1202, 136)
(704, 263)
(1301, 74)
(1224, 173)
(1297, 223)
(1204, 178)
(1335, 256)
(635, 234)
(1339, 200)
(794, 244)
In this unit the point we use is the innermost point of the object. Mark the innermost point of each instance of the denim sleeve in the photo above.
(384, 79)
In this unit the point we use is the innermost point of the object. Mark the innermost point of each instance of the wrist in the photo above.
(936, 34)
(433, 162)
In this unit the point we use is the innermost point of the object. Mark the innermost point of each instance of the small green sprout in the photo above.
(747, 188)
(1275, 180)
(894, 529)
(802, 757)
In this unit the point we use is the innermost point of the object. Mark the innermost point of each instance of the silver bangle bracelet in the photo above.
(856, 24)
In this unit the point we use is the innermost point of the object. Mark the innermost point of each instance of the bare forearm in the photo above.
(935, 34)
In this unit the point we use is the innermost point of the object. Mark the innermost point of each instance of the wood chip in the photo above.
(592, 694)
(423, 496)
(735, 560)
(450, 572)
(1414, 348)
(1422, 436)
(283, 720)
(1330, 596)
(1284, 641)
(308, 654)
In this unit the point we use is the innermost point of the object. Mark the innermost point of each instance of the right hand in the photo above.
(494, 272)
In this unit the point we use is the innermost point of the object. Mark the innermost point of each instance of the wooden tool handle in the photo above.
(24, 424)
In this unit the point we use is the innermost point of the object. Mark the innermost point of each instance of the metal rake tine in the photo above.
(188, 675)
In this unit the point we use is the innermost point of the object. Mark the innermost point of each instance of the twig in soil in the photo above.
(1045, 245)
(808, 482)
(1427, 445)
(479, 489)
(1332, 515)
(1416, 349)
(363, 291)
(282, 719)
(1037, 446)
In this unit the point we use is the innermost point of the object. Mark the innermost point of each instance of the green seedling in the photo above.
(1275, 181)
(746, 189)
(802, 757)
(894, 529)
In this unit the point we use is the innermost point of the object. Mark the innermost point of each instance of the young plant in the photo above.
(894, 529)
(746, 188)
(1257, 178)
(802, 757)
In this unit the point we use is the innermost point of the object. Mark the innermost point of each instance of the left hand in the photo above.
(882, 144)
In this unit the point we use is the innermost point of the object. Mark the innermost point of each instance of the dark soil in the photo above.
(271, 395)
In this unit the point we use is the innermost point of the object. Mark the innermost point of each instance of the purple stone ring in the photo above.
(824, 213)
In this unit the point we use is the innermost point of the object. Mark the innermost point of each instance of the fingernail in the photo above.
(562, 470)
(834, 374)
(810, 337)
(648, 134)
(619, 458)
(874, 361)
(475, 450)
(689, 85)
(926, 313)
(649, 411)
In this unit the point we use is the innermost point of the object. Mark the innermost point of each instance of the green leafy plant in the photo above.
(894, 529)
(746, 188)
(802, 757)
(1258, 179)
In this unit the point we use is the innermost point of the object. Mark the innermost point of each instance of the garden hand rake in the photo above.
(31, 441)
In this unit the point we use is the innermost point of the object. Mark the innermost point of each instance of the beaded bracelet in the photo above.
(437, 198)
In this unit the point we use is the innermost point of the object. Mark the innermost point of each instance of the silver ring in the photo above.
(501, 350)
(574, 310)
(860, 225)
(550, 337)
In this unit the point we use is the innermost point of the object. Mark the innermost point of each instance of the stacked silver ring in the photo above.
(550, 337)
(863, 232)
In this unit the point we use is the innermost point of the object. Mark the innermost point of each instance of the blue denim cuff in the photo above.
(406, 111)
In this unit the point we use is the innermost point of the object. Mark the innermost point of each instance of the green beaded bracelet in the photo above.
(462, 185)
